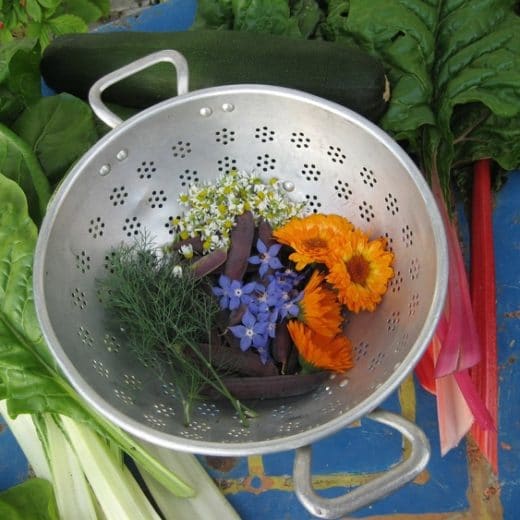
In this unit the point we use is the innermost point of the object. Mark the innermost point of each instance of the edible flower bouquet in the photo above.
(254, 293)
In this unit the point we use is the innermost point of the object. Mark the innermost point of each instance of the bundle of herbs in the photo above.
(166, 312)
(249, 300)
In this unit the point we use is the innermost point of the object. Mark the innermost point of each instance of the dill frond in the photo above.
(165, 318)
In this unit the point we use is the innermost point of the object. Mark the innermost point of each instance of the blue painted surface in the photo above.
(370, 447)
(13, 464)
(507, 262)
(361, 450)
(174, 15)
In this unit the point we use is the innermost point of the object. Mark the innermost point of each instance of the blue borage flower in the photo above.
(233, 293)
(266, 302)
(252, 332)
(267, 257)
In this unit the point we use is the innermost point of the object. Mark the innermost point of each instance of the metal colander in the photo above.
(129, 182)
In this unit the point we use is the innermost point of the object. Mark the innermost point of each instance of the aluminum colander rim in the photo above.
(292, 441)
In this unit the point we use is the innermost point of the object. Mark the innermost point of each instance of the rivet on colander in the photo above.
(228, 107)
(205, 111)
(288, 185)
(105, 169)
(122, 155)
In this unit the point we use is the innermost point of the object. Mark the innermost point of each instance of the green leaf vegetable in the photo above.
(454, 68)
(59, 129)
(44, 19)
(18, 162)
(20, 82)
(31, 499)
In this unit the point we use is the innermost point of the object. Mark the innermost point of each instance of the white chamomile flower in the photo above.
(187, 251)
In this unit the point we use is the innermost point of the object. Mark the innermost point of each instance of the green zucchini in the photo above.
(346, 75)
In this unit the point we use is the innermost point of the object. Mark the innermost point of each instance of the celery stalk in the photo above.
(209, 501)
(112, 483)
(71, 488)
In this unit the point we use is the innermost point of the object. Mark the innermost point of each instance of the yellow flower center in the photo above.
(358, 268)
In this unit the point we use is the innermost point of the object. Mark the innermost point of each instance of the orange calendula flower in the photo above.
(319, 307)
(333, 354)
(361, 270)
(310, 237)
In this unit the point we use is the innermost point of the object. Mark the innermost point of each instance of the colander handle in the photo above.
(377, 488)
(170, 56)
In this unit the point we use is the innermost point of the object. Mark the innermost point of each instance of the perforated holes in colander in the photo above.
(111, 343)
(264, 134)
(415, 269)
(343, 190)
(368, 177)
(392, 205)
(100, 368)
(336, 154)
(118, 195)
(392, 321)
(376, 361)
(132, 381)
(361, 351)
(83, 262)
(407, 235)
(164, 410)
(224, 136)
(169, 224)
(157, 199)
(85, 336)
(188, 177)
(413, 304)
(310, 172)
(389, 241)
(265, 163)
(300, 140)
(366, 211)
(208, 409)
(181, 149)
(124, 396)
(131, 226)
(146, 169)
(313, 203)
(78, 298)
(396, 282)
(226, 164)
(109, 261)
(289, 426)
(154, 421)
(96, 227)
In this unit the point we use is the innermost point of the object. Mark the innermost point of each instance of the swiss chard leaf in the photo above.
(59, 129)
(298, 19)
(18, 162)
(400, 33)
(33, 498)
(19, 77)
(213, 14)
(442, 55)
(30, 380)
(266, 16)
(308, 15)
